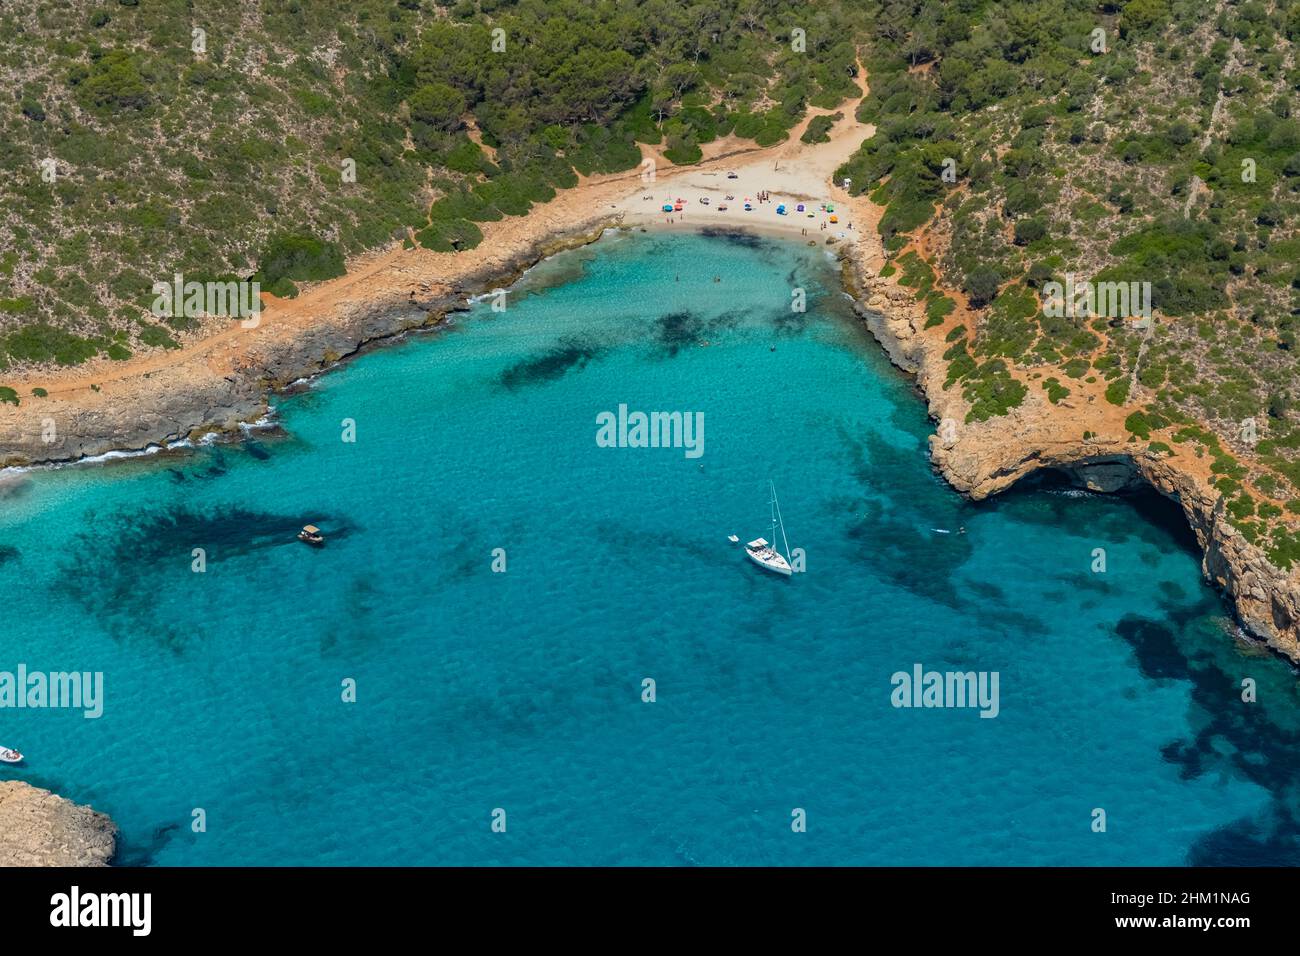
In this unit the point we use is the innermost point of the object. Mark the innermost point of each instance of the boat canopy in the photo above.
(757, 543)
(311, 529)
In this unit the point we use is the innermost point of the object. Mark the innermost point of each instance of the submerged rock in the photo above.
(39, 828)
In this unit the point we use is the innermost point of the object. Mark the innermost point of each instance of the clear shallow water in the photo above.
(522, 690)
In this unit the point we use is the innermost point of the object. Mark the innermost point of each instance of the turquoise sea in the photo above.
(522, 690)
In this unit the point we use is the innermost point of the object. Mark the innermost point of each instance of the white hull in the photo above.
(10, 756)
(764, 554)
(767, 558)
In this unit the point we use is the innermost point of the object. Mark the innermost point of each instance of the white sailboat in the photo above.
(764, 554)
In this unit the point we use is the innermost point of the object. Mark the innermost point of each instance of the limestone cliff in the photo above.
(982, 458)
(38, 828)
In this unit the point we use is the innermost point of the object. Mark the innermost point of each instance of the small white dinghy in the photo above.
(10, 756)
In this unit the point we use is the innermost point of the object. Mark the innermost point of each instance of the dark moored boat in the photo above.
(311, 535)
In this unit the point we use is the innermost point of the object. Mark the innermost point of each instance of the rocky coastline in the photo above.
(173, 405)
(38, 828)
(978, 459)
(983, 458)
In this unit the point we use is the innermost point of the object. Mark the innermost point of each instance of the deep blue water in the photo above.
(522, 690)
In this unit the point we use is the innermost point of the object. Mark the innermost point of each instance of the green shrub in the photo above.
(41, 342)
(982, 285)
(1076, 367)
(1029, 230)
(938, 308)
(819, 128)
(438, 105)
(155, 336)
(1138, 424)
(449, 236)
(299, 257)
(992, 391)
(683, 151)
(114, 83)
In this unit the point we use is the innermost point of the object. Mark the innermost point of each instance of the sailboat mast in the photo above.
(776, 507)
(771, 505)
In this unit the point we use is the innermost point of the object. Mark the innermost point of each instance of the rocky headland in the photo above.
(1084, 439)
(38, 828)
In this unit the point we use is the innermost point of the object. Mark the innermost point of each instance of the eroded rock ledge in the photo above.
(38, 828)
(188, 399)
(983, 458)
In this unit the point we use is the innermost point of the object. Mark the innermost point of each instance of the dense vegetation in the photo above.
(1149, 141)
(299, 133)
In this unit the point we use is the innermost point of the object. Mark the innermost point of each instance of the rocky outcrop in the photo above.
(38, 828)
(175, 403)
(1084, 441)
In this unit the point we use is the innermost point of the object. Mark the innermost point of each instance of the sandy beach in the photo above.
(223, 373)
